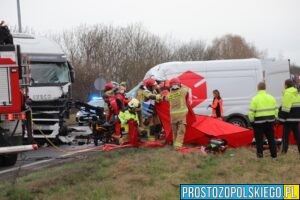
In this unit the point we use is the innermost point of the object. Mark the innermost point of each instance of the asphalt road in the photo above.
(47, 155)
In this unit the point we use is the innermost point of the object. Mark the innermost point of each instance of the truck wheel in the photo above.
(237, 121)
(8, 160)
(63, 131)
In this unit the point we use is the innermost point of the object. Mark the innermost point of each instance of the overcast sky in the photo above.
(272, 25)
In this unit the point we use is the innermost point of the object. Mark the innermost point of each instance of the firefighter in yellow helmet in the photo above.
(178, 99)
(128, 114)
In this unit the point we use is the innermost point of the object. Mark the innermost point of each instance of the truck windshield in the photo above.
(42, 73)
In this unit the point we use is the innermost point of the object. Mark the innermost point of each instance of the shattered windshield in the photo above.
(49, 73)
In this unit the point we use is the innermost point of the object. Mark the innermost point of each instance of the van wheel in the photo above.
(237, 121)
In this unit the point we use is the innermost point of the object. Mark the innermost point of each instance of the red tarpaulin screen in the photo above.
(200, 129)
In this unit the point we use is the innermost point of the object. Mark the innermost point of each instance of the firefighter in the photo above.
(217, 105)
(164, 88)
(5, 34)
(289, 114)
(150, 119)
(121, 94)
(114, 107)
(178, 98)
(128, 114)
(140, 98)
(262, 114)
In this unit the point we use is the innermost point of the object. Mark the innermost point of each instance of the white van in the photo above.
(235, 79)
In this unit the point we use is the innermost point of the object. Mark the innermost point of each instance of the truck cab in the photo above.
(50, 89)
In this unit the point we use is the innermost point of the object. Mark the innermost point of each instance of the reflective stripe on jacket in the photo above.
(177, 99)
(263, 108)
(124, 116)
(290, 105)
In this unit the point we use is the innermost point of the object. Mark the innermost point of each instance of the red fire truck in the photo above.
(15, 115)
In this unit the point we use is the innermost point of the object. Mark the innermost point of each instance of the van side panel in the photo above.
(235, 79)
(236, 85)
(276, 72)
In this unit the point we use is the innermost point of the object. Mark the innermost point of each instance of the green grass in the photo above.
(146, 173)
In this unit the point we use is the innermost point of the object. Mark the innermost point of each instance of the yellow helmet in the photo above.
(134, 103)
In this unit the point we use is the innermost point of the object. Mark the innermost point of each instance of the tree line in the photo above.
(126, 53)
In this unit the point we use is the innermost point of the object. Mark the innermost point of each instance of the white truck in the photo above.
(50, 89)
(235, 79)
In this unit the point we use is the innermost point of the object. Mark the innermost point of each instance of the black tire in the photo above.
(8, 160)
(238, 121)
(96, 141)
(63, 131)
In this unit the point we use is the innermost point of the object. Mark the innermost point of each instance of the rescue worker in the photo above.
(262, 114)
(128, 114)
(114, 108)
(217, 105)
(121, 94)
(164, 87)
(140, 98)
(5, 34)
(289, 114)
(178, 98)
(150, 119)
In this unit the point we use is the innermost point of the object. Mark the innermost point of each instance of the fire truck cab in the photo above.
(15, 115)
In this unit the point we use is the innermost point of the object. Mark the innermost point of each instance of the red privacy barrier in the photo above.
(200, 129)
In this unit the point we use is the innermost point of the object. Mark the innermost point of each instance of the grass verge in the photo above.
(140, 173)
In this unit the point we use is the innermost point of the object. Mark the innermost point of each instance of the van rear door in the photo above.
(275, 73)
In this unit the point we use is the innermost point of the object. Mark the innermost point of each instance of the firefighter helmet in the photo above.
(174, 81)
(134, 103)
(108, 86)
(123, 83)
(149, 82)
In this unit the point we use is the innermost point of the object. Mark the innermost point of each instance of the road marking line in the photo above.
(25, 166)
(44, 161)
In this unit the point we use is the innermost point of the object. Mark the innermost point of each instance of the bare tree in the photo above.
(127, 53)
(113, 53)
(231, 47)
(194, 50)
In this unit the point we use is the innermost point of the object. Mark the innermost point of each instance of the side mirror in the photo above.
(72, 72)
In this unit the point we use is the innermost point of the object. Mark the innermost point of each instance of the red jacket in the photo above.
(124, 101)
(113, 108)
(217, 108)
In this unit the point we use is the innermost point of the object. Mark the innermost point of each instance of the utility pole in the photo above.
(19, 16)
